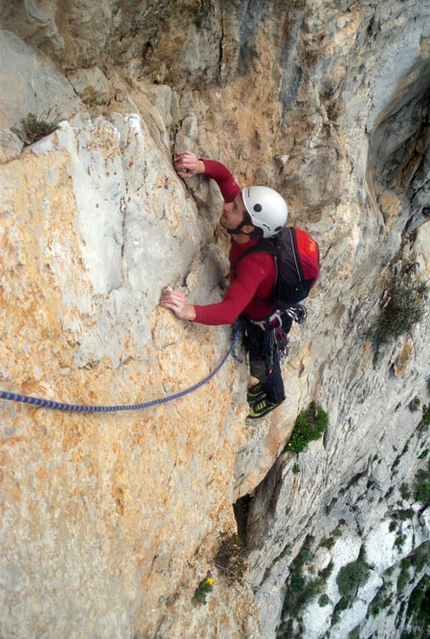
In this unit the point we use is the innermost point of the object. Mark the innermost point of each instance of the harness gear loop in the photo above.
(275, 341)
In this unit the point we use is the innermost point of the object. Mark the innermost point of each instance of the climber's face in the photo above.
(233, 213)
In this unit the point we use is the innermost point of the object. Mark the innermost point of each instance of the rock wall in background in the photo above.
(109, 521)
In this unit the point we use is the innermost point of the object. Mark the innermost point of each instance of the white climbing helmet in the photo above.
(268, 210)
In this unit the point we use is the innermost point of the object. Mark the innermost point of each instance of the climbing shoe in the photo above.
(261, 408)
(255, 393)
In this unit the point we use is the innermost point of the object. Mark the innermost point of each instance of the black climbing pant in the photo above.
(264, 345)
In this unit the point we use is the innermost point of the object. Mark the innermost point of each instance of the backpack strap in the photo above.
(295, 253)
(264, 245)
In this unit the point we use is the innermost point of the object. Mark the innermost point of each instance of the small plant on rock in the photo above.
(403, 306)
(399, 541)
(34, 129)
(310, 425)
(202, 590)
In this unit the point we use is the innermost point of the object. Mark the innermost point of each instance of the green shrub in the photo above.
(328, 542)
(399, 541)
(422, 487)
(300, 589)
(310, 425)
(351, 577)
(405, 574)
(417, 561)
(381, 600)
(405, 491)
(300, 592)
(325, 573)
(405, 308)
(425, 421)
(282, 554)
(342, 604)
(305, 555)
(405, 514)
(421, 556)
(415, 404)
(418, 611)
(297, 583)
(423, 492)
(323, 600)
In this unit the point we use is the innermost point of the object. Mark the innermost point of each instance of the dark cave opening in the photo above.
(241, 510)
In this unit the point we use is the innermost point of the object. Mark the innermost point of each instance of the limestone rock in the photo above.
(10, 146)
(110, 520)
(41, 89)
(91, 85)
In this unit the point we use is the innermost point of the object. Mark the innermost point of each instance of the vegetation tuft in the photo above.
(425, 421)
(405, 574)
(382, 599)
(34, 129)
(302, 589)
(418, 612)
(351, 577)
(230, 559)
(405, 491)
(405, 308)
(422, 486)
(310, 425)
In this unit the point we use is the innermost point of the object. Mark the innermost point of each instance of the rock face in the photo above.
(109, 521)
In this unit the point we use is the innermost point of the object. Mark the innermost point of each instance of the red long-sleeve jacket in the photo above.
(255, 273)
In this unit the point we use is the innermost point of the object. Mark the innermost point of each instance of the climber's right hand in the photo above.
(177, 302)
(187, 164)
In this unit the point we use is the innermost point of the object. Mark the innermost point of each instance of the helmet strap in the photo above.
(238, 230)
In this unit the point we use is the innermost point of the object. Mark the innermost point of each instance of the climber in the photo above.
(247, 215)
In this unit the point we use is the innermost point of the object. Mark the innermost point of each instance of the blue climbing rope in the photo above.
(77, 408)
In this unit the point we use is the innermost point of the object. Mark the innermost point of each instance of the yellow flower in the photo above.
(209, 581)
